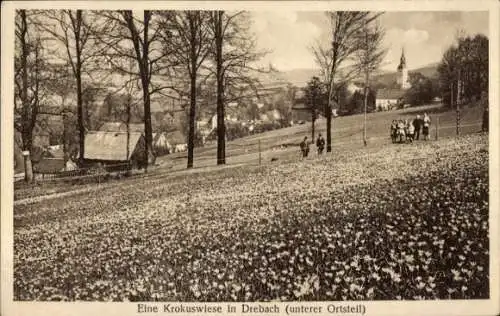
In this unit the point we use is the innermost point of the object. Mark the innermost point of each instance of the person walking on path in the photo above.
(320, 143)
(427, 124)
(304, 147)
(417, 123)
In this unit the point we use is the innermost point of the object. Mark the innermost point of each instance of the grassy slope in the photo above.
(347, 133)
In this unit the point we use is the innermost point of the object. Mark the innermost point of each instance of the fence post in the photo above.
(260, 155)
(437, 128)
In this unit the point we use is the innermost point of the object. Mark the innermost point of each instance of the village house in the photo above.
(389, 99)
(160, 143)
(113, 148)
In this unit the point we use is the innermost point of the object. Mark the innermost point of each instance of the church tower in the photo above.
(403, 72)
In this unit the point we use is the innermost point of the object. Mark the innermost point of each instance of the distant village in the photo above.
(277, 104)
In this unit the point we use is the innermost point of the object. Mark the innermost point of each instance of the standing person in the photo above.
(417, 123)
(401, 130)
(427, 123)
(304, 147)
(394, 128)
(411, 132)
(320, 143)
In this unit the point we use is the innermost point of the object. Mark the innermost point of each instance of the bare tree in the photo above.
(189, 40)
(233, 55)
(61, 86)
(73, 30)
(29, 74)
(369, 57)
(137, 37)
(344, 44)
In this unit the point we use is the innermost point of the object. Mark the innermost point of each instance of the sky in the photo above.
(425, 36)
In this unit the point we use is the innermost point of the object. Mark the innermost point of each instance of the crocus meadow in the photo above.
(397, 223)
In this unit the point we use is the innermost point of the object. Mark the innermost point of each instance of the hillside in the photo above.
(299, 77)
(391, 77)
(347, 133)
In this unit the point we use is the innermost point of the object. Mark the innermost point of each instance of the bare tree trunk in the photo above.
(128, 118)
(328, 104)
(221, 130)
(147, 123)
(192, 115)
(328, 129)
(27, 130)
(64, 140)
(365, 102)
(78, 75)
(145, 85)
(364, 119)
(143, 62)
(128, 124)
(192, 107)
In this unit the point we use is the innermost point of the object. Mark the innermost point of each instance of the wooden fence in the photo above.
(96, 172)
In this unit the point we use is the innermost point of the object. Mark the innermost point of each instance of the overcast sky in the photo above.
(424, 35)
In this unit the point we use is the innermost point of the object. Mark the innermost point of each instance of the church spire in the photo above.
(402, 62)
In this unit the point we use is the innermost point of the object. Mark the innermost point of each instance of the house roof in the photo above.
(121, 127)
(49, 165)
(390, 94)
(101, 145)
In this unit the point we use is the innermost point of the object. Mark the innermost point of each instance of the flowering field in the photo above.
(397, 222)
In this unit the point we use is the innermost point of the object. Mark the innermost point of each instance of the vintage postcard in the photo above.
(250, 158)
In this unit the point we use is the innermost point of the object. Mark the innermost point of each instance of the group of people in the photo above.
(402, 130)
(405, 130)
(320, 145)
